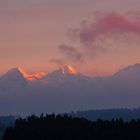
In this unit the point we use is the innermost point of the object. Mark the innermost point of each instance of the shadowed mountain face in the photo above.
(13, 78)
(66, 89)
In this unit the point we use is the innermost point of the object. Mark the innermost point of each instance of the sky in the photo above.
(97, 37)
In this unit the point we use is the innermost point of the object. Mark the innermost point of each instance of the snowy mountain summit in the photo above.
(66, 69)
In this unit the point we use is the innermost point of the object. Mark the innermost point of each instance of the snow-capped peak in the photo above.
(13, 78)
(19, 72)
(66, 69)
(31, 77)
(23, 72)
(15, 72)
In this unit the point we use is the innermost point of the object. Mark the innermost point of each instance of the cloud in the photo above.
(71, 55)
(71, 52)
(57, 61)
(104, 40)
(104, 24)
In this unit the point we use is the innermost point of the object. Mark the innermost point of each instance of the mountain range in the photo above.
(66, 89)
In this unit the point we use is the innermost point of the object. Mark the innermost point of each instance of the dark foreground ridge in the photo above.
(51, 127)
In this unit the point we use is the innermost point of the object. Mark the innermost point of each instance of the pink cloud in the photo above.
(108, 41)
(102, 24)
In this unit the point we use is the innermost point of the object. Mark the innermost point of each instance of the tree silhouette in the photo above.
(52, 127)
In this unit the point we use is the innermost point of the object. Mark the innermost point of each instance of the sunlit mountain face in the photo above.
(66, 69)
(31, 76)
(16, 72)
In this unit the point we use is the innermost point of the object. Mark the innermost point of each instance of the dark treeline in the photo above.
(52, 127)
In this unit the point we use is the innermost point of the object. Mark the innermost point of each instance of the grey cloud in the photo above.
(57, 61)
(71, 52)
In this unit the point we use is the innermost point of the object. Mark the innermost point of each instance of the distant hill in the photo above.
(108, 114)
(2, 130)
(6, 121)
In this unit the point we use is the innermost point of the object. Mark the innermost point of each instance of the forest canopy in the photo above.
(56, 127)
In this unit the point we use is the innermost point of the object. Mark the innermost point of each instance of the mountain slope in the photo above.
(65, 75)
(14, 78)
(128, 77)
(66, 89)
(132, 72)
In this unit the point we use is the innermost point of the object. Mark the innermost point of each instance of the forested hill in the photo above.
(5, 121)
(108, 114)
(51, 127)
(2, 130)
